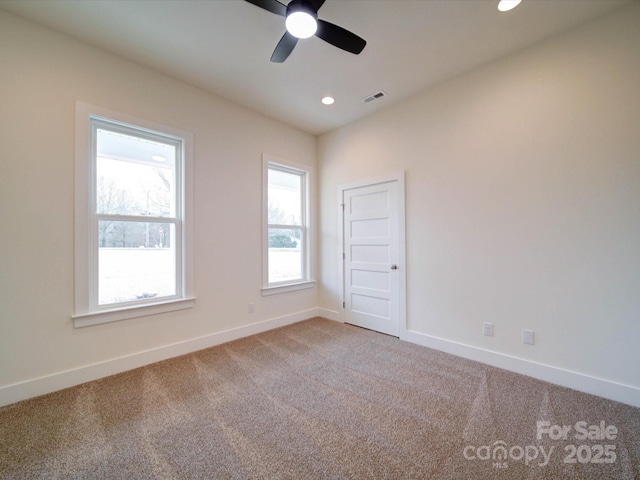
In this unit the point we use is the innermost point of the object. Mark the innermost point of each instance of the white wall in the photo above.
(42, 74)
(523, 194)
(523, 202)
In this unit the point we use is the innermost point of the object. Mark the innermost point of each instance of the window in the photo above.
(132, 218)
(286, 235)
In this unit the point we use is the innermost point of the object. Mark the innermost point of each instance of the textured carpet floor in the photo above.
(318, 400)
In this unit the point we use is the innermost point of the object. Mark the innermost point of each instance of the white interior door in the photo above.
(371, 258)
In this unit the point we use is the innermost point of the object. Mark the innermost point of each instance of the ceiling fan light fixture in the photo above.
(301, 21)
(506, 5)
(301, 24)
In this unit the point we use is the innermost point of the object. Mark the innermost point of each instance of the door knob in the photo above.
(394, 267)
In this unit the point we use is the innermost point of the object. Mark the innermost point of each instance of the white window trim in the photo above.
(309, 280)
(84, 314)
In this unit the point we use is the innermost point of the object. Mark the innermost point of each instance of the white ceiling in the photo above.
(224, 46)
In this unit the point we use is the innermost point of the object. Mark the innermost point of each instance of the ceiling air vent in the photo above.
(375, 96)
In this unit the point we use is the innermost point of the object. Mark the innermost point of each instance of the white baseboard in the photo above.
(58, 381)
(577, 381)
(39, 386)
(330, 315)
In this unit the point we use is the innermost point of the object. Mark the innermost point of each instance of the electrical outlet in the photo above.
(252, 307)
(527, 336)
(487, 329)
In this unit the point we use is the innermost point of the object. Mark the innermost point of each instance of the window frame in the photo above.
(88, 311)
(307, 280)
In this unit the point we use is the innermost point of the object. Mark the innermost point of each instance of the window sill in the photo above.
(117, 314)
(289, 287)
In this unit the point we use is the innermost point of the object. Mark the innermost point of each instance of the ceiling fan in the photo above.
(302, 22)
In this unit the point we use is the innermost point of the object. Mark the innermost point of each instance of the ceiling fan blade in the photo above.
(339, 37)
(272, 6)
(284, 48)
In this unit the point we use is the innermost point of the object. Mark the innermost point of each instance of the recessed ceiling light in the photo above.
(506, 5)
(328, 100)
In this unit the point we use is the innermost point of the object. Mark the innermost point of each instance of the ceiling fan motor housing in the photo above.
(302, 6)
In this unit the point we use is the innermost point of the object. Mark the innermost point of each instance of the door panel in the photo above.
(368, 305)
(370, 254)
(368, 202)
(376, 227)
(370, 279)
(370, 246)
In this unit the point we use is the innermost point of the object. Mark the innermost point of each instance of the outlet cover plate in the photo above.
(527, 336)
(487, 329)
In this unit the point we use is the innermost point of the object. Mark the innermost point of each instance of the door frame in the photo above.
(399, 178)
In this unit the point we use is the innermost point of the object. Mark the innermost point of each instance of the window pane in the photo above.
(285, 254)
(134, 176)
(136, 260)
(285, 198)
